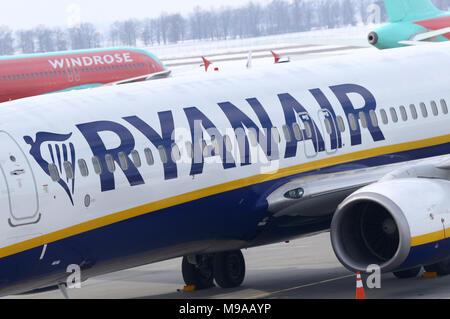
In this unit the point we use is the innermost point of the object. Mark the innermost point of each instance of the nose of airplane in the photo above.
(373, 38)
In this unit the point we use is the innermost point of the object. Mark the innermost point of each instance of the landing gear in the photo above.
(442, 268)
(409, 273)
(198, 271)
(227, 269)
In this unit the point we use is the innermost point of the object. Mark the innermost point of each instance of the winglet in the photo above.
(206, 63)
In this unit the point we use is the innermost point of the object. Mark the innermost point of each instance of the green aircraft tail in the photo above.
(410, 10)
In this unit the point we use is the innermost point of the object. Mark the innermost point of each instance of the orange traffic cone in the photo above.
(359, 287)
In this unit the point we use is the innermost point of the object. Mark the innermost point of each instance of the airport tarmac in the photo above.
(302, 269)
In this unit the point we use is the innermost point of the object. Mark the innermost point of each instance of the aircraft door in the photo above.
(330, 131)
(309, 139)
(77, 75)
(69, 75)
(23, 202)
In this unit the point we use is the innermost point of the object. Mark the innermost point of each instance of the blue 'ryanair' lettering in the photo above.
(164, 140)
(199, 123)
(292, 108)
(324, 103)
(91, 132)
(342, 93)
(195, 117)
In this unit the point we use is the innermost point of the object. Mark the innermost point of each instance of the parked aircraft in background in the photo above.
(411, 22)
(201, 168)
(28, 75)
(277, 58)
(280, 59)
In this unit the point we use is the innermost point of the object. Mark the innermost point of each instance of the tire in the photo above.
(409, 273)
(202, 277)
(442, 268)
(229, 269)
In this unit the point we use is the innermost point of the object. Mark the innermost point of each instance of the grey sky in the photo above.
(23, 14)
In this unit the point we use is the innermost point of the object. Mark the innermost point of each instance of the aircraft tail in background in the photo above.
(410, 10)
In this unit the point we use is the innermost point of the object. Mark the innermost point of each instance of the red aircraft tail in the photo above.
(206, 63)
(276, 56)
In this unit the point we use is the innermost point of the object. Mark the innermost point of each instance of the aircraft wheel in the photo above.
(442, 268)
(200, 275)
(229, 269)
(409, 273)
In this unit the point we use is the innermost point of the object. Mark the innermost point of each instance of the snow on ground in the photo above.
(184, 59)
(352, 36)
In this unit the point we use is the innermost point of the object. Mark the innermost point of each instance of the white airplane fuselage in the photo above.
(154, 196)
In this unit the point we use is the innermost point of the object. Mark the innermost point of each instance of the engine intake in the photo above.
(372, 38)
(381, 223)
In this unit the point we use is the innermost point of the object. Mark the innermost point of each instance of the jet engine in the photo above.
(397, 224)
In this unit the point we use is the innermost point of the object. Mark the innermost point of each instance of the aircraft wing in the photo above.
(431, 34)
(411, 43)
(320, 196)
(142, 78)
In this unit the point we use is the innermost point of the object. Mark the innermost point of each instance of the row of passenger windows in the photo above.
(111, 164)
(40, 75)
(298, 135)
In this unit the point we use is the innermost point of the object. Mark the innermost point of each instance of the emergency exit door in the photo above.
(20, 185)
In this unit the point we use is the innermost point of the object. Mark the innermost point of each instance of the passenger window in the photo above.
(287, 133)
(414, 113)
(204, 148)
(215, 143)
(340, 124)
(110, 164)
(253, 136)
(308, 129)
(149, 157)
(190, 149)
(328, 126)
(163, 154)
(423, 109)
(373, 118)
(394, 115)
(176, 154)
(444, 106)
(136, 158)
(297, 132)
(83, 168)
(68, 169)
(123, 161)
(363, 118)
(276, 135)
(434, 108)
(352, 121)
(97, 165)
(54, 174)
(228, 144)
(403, 113)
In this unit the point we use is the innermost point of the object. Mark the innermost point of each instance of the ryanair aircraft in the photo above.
(201, 168)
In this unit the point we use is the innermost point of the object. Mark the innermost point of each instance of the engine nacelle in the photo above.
(396, 224)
